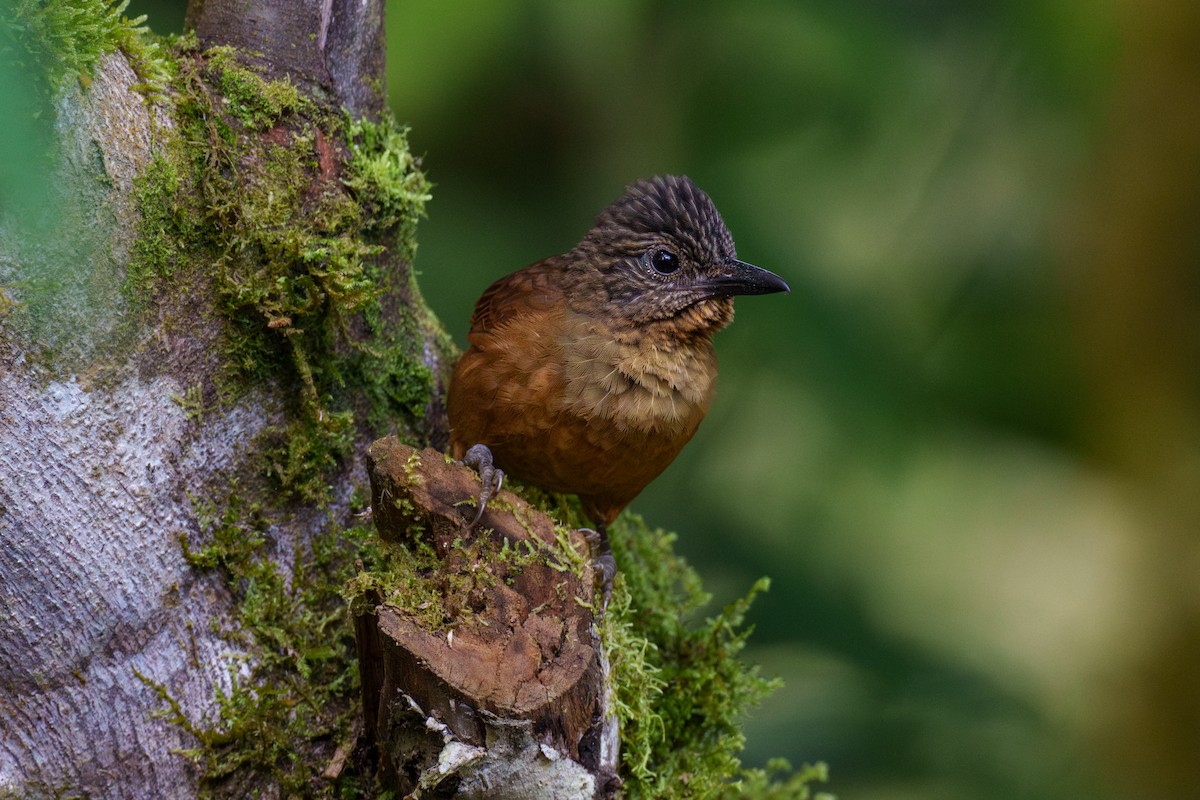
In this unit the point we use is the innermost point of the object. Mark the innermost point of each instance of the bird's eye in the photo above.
(663, 262)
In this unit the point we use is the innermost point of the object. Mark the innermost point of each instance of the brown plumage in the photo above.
(587, 372)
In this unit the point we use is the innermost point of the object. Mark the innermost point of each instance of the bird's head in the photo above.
(662, 253)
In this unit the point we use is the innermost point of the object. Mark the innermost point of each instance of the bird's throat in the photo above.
(703, 318)
(646, 378)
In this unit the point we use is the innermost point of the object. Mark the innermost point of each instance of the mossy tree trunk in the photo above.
(198, 339)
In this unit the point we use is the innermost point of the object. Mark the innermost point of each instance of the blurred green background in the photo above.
(965, 448)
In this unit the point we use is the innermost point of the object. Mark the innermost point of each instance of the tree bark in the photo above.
(112, 438)
(93, 584)
(334, 47)
(497, 686)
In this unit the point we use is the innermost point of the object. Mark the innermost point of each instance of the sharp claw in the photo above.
(478, 514)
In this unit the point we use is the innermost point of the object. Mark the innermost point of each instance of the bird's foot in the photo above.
(479, 457)
(603, 563)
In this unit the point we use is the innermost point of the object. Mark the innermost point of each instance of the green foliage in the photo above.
(684, 742)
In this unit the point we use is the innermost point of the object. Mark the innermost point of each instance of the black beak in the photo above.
(738, 277)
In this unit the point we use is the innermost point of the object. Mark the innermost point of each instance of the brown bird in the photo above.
(589, 371)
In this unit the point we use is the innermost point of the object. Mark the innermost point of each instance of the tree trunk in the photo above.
(97, 462)
(156, 386)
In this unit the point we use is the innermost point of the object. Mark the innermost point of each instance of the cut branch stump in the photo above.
(498, 687)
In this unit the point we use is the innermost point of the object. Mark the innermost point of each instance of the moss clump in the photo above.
(384, 176)
(444, 591)
(293, 693)
(165, 230)
(64, 39)
(777, 782)
(300, 221)
(682, 743)
(411, 577)
(256, 102)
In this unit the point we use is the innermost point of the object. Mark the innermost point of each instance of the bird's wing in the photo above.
(532, 290)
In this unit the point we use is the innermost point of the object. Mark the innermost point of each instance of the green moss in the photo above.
(299, 261)
(777, 782)
(256, 102)
(384, 177)
(684, 742)
(42, 791)
(293, 694)
(441, 593)
(301, 454)
(165, 229)
(410, 577)
(192, 402)
(64, 39)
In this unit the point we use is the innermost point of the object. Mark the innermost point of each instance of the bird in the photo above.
(587, 372)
